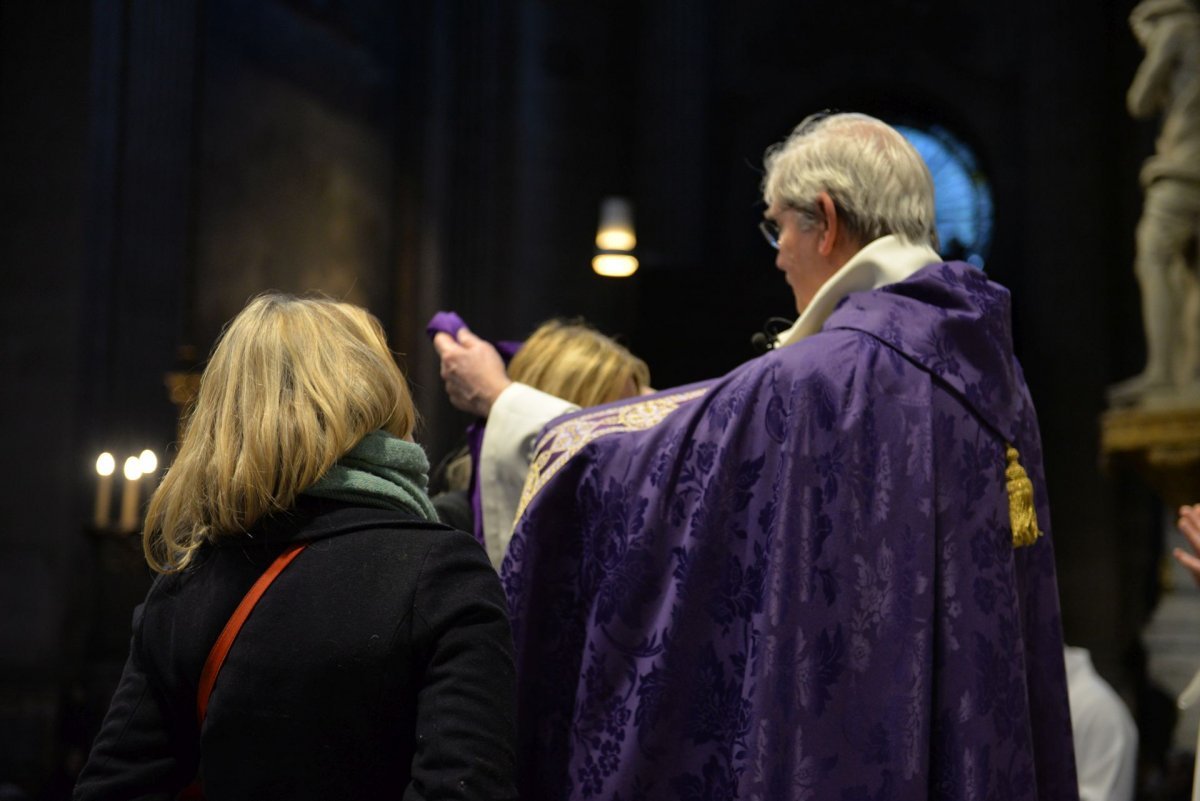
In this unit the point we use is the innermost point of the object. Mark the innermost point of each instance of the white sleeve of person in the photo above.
(1106, 737)
(516, 419)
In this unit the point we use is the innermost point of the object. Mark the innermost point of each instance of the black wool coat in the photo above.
(378, 665)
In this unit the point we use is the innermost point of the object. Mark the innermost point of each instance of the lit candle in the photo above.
(129, 498)
(148, 461)
(105, 465)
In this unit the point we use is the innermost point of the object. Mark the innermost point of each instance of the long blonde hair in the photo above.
(292, 385)
(577, 363)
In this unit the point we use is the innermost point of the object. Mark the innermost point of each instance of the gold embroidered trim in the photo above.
(563, 441)
(1021, 511)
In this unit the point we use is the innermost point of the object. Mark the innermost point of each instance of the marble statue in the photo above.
(1168, 83)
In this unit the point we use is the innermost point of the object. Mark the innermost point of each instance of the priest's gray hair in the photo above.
(877, 180)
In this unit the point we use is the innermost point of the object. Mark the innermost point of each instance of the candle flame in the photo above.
(148, 461)
(133, 469)
(105, 464)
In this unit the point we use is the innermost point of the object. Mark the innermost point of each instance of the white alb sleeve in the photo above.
(516, 419)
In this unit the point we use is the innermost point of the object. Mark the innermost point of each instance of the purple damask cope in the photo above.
(799, 581)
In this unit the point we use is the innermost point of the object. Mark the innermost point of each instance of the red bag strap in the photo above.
(216, 657)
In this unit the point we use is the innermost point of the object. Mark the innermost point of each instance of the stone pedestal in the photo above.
(1161, 445)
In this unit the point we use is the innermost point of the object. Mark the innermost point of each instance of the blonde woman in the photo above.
(379, 661)
(562, 366)
(577, 363)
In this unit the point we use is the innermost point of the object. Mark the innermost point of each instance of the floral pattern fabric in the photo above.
(801, 583)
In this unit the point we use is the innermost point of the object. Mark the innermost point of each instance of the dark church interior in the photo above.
(164, 162)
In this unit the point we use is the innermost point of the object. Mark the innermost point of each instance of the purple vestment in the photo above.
(799, 581)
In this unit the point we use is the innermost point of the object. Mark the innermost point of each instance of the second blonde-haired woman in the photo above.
(562, 366)
(378, 664)
(575, 362)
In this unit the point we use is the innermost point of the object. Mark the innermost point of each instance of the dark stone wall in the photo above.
(295, 163)
(44, 99)
(164, 162)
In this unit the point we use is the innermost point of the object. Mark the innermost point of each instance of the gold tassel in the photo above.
(1021, 512)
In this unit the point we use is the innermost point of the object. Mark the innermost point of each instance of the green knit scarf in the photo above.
(382, 472)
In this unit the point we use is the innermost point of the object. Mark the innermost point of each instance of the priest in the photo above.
(826, 575)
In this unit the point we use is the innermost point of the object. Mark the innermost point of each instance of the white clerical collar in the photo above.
(887, 260)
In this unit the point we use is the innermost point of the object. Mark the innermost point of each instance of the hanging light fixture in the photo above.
(615, 239)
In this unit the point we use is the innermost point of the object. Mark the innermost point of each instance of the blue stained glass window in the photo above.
(962, 196)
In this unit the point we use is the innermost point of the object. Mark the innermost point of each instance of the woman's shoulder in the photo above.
(392, 534)
(341, 536)
(315, 519)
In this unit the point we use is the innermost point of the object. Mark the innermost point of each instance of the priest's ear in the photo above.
(827, 213)
(837, 241)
